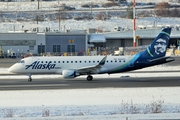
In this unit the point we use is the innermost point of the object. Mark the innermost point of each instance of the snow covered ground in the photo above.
(107, 25)
(93, 104)
(21, 6)
(98, 103)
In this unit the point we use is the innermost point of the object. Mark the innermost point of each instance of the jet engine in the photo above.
(69, 73)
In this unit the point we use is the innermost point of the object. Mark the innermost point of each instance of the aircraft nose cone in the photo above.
(11, 69)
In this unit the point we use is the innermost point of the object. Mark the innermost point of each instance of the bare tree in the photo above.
(162, 9)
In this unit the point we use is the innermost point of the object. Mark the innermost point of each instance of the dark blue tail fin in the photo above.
(159, 45)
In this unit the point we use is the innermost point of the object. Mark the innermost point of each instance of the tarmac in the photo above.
(7, 62)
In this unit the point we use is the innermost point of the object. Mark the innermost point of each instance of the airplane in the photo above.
(74, 66)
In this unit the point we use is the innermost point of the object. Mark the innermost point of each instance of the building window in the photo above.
(41, 49)
(31, 47)
(56, 48)
(17, 42)
(71, 48)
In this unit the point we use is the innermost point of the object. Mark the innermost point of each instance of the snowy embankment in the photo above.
(90, 103)
(101, 103)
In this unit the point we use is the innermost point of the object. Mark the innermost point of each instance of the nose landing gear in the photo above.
(29, 79)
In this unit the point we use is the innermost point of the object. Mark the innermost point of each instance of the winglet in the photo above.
(102, 62)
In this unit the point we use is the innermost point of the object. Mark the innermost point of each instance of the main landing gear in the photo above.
(29, 79)
(89, 78)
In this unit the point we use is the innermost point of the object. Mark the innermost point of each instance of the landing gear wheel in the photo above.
(29, 79)
(89, 78)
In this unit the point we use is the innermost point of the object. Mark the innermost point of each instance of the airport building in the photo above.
(59, 43)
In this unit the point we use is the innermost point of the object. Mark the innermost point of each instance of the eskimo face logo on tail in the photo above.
(38, 65)
(160, 46)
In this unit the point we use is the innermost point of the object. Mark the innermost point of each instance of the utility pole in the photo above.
(134, 23)
(59, 18)
(7, 5)
(37, 17)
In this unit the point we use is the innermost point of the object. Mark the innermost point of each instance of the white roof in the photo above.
(97, 38)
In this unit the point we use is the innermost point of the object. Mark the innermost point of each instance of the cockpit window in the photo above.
(21, 61)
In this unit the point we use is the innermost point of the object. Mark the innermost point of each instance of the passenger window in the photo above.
(71, 61)
(79, 61)
(67, 61)
(58, 61)
(89, 61)
(75, 61)
(41, 61)
(93, 61)
(46, 62)
(63, 61)
(97, 61)
(111, 61)
(107, 61)
(54, 61)
(85, 61)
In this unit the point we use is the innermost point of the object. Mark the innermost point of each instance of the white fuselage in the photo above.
(56, 64)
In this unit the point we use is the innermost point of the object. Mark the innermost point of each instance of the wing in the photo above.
(92, 69)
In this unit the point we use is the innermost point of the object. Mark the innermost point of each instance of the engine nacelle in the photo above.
(69, 73)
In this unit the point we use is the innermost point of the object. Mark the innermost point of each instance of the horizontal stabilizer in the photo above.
(168, 59)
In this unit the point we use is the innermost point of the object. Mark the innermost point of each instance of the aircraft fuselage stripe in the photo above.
(165, 33)
(149, 52)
